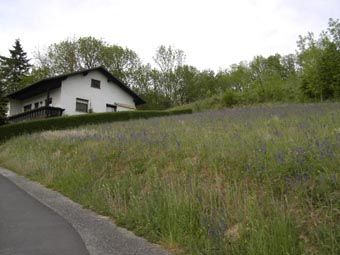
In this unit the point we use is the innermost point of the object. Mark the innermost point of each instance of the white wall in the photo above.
(79, 86)
(14, 107)
(17, 106)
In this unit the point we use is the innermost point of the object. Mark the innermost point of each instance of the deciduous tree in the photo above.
(168, 60)
(319, 60)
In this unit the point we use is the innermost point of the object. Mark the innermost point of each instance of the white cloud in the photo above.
(213, 33)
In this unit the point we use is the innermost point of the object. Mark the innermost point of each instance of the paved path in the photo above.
(28, 227)
(28, 212)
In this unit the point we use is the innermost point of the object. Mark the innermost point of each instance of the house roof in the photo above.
(55, 82)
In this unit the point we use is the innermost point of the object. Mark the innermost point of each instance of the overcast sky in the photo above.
(212, 33)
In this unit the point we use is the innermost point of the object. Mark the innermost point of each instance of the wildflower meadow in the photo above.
(252, 180)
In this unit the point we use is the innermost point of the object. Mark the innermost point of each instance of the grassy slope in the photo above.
(219, 101)
(257, 180)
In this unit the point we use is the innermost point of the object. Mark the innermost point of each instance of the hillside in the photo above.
(224, 100)
(251, 180)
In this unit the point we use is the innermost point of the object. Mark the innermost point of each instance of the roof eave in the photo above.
(58, 79)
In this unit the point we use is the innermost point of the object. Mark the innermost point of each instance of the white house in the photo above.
(92, 90)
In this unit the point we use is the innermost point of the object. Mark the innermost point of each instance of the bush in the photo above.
(230, 98)
(10, 130)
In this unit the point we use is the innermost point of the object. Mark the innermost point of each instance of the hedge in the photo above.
(57, 123)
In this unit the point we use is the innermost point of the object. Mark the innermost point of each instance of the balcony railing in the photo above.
(39, 113)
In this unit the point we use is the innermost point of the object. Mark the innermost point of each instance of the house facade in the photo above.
(93, 90)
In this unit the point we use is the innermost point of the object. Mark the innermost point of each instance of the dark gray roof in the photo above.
(55, 82)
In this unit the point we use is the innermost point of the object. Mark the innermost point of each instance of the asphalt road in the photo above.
(27, 227)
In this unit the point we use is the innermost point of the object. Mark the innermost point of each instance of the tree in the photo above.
(59, 58)
(168, 60)
(330, 61)
(319, 60)
(124, 63)
(3, 104)
(36, 74)
(88, 52)
(308, 57)
(13, 69)
(239, 77)
(289, 64)
(334, 32)
(328, 70)
(189, 89)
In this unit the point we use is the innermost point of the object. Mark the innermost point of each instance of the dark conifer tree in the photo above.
(3, 104)
(14, 68)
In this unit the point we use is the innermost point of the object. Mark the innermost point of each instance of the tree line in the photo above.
(312, 73)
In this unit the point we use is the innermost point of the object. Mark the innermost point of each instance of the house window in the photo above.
(95, 83)
(82, 105)
(27, 107)
(111, 108)
(36, 105)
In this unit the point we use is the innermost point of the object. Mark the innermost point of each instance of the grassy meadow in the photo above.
(252, 180)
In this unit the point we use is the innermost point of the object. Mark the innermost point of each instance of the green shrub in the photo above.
(230, 98)
(10, 130)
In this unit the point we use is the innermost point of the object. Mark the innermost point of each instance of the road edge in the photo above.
(99, 233)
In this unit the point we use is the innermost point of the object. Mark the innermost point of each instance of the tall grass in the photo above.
(257, 180)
